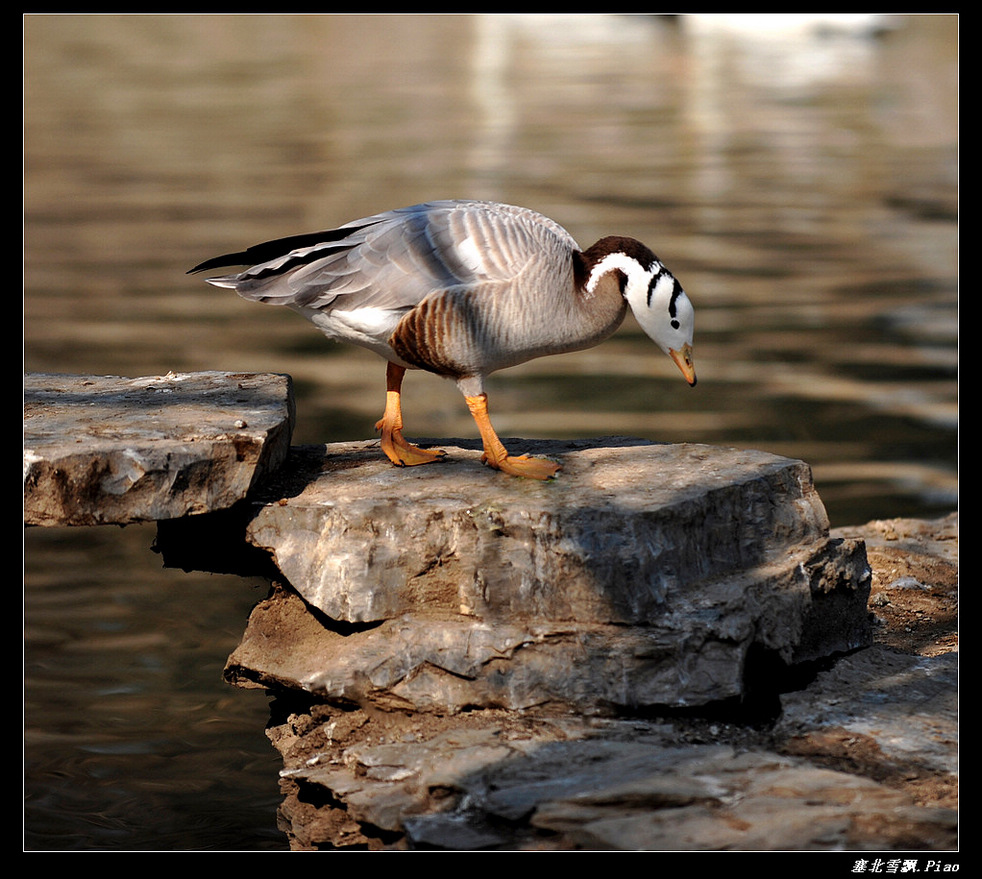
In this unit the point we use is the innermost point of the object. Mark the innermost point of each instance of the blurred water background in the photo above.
(798, 174)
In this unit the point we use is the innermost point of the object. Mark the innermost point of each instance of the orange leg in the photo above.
(397, 449)
(495, 454)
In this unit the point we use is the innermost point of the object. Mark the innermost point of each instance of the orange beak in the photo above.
(683, 360)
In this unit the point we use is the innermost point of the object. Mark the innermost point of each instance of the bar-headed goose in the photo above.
(464, 288)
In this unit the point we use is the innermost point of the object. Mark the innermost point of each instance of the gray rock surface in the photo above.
(645, 575)
(110, 450)
(506, 780)
(907, 704)
(858, 754)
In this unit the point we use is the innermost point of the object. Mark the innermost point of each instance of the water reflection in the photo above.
(800, 180)
(131, 739)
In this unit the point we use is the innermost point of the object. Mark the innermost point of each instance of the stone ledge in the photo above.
(104, 450)
(645, 575)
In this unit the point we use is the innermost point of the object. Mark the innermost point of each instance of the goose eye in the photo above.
(675, 324)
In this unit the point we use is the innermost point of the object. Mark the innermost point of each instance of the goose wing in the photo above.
(395, 259)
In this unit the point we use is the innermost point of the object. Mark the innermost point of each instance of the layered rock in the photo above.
(645, 575)
(858, 754)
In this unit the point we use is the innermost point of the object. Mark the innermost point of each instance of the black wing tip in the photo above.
(220, 262)
(260, 253)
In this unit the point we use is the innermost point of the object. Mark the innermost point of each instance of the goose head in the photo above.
(653, 294)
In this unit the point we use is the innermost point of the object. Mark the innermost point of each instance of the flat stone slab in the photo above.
(612, 540)
(906, 704)
(110, 450)
(493, 782)
(645, 575)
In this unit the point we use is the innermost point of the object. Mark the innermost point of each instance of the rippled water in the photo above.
(801, 182)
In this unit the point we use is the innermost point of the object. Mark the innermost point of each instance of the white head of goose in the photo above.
(461, 289)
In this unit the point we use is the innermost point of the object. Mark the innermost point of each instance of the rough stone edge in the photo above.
(169, 469)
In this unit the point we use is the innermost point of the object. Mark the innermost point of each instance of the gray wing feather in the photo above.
(396, 259)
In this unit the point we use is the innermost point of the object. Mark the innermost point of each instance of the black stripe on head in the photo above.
(654, 280)
(676, 292)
